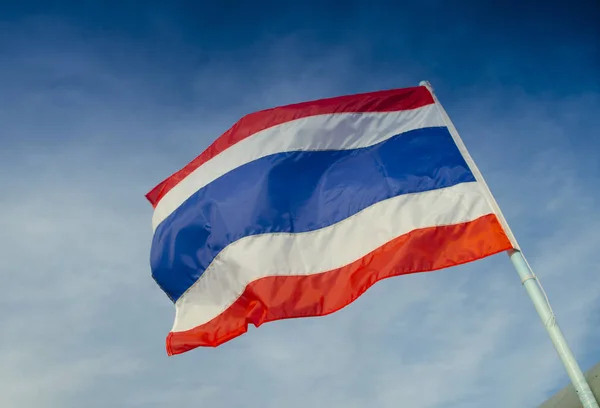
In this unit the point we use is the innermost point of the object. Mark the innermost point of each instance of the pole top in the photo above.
(425, 83)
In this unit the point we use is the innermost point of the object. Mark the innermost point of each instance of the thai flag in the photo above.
(297, 210)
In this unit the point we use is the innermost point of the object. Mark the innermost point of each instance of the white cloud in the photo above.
(84, 324)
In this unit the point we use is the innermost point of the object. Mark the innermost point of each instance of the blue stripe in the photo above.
(297, 192)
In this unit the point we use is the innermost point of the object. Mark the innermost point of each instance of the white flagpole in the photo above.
(528, 278)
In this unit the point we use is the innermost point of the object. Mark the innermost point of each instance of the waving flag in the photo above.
(297, 210)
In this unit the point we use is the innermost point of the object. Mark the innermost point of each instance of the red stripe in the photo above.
(381, 101)
(283, 297)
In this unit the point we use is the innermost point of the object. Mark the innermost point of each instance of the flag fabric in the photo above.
(296, 211)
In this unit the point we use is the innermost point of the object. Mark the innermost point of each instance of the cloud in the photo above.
(84, 324)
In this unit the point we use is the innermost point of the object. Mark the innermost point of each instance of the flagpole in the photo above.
(528, 279)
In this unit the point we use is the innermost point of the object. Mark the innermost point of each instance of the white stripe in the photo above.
(258, 256)
(338, 131)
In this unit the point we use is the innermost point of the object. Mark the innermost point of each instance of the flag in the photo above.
(296, 211)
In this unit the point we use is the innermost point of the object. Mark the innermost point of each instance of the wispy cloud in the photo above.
(84, 324)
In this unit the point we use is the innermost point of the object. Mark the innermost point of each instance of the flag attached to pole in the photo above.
(296, 211)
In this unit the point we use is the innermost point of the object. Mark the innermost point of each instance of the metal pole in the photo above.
(568, 398)
(537, 296)
(528, 278)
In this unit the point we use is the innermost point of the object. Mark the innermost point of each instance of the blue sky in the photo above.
(100, 101)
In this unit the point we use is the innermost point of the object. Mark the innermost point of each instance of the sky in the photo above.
(101, 100)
